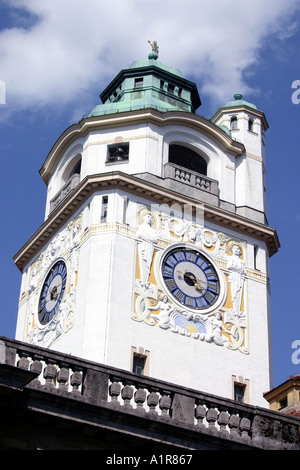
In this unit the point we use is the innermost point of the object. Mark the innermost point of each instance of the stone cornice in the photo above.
(133, 118)
(157, 194)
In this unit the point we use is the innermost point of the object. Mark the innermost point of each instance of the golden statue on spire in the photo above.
(155, 48)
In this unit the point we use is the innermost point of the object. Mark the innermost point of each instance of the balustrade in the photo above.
(64, 191)
(123, 391)
(191, 178)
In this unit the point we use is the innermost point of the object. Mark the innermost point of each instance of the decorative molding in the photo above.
(128, 139)
(148, 116)
(157, 194)
(226, 325)
(65, 245)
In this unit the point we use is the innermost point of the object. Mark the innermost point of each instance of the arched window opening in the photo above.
(76, 169)
(233, 123)
(250, 125)
(187, 158)
(70, 180)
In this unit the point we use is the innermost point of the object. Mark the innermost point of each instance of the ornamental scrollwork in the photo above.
(66, 245)
(227, 325)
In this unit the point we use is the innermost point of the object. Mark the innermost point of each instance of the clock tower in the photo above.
(153, 256)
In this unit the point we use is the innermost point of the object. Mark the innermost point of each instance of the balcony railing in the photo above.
(191, 178)
(122, 391)
(65, 190)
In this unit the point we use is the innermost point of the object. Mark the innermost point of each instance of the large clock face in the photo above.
(191, 278)
(52, 292)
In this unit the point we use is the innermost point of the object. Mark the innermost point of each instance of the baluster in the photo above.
(37, 367)
(211, 417)
(76, 381)
(223, 420)
(114, 391)
(165, 404)
(62, 378)
(50, 376)
(187, 176)
(152, 401)
(233, 424)
(140, 398)
(127, 394)
(23, 362)
(200, 414)
(245, 426)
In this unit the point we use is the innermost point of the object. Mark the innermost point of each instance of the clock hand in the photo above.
(53, 293)
(197, 282)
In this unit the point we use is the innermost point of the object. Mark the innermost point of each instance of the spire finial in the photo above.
(238, 96)
(154, 53)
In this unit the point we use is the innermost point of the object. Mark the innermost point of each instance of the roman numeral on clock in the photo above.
(171, 284)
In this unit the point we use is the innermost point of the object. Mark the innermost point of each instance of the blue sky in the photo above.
(54, 65)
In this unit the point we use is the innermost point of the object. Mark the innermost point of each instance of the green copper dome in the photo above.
(238, 101)
(156, 63)
(148, 84)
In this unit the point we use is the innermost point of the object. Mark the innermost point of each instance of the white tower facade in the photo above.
(153, 256)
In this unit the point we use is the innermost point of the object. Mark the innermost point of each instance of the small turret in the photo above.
(247, 125)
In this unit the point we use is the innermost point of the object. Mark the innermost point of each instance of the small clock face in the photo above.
(52, 292)
(191, 278)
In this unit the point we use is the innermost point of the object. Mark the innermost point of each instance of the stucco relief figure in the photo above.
(163, 317)
(217, 327)
(147, 238)
(236, 278)
(68, 239)
(168, 315)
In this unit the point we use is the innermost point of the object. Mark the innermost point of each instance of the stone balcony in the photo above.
(207, 186)
(191, 178)
(64, 191)
(42, 390)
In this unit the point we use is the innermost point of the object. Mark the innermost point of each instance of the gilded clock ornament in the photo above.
(191, 278)
(52, 292)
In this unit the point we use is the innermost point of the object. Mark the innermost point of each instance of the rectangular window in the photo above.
(138, 366)
(256, 252)
(239, 392)
(104, 209)
(118, 153)
(140, 360)
(138, 83)
(283, 403)
(171, 88)
(233, 123)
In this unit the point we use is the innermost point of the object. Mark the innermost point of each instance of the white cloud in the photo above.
(58, 50)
